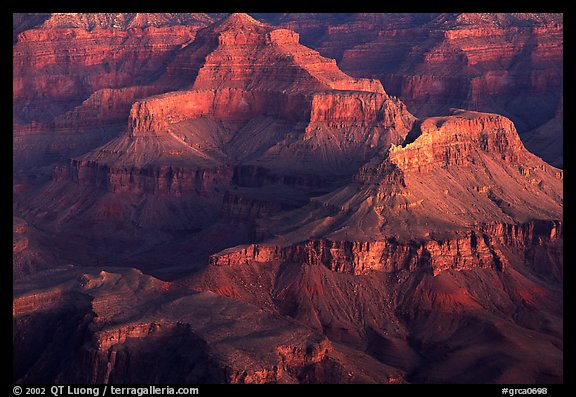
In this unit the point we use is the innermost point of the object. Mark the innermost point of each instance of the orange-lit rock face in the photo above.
(477, 249)
(504, 63)
(154, 115)
(451, 172)
(240, 70)
(251, 69)
(62, 65)
(450, 141)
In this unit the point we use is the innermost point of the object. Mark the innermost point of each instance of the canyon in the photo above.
(201, 198)
(505, 63)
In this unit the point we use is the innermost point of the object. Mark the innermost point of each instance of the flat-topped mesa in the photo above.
(455, 140)
(155, 114)
(451, 173)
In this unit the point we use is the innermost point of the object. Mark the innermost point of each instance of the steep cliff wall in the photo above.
(507, 63)
(477, 249)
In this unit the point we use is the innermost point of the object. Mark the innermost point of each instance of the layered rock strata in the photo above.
(76, 75)
(506, 63)
(257, 100)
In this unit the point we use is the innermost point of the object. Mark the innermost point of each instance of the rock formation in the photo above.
(460, 200)
(452, 172)
(250, 70)
(114, 326)
(242, 211)
(73, 69)
(254, 99)
(506, 63)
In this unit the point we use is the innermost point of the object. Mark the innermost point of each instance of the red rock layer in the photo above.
(476, 249)
(255, 69)
(77, 74)
(454, 229)
(503, 63)
(456, 47)
(453, 140)
(451, 173)
(241, 70)
(372, 295)
(450, 141)
(65, 66)
(155, 114)
(105, 107)
(115, 322)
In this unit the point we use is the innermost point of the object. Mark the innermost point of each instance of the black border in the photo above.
(341, 6)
